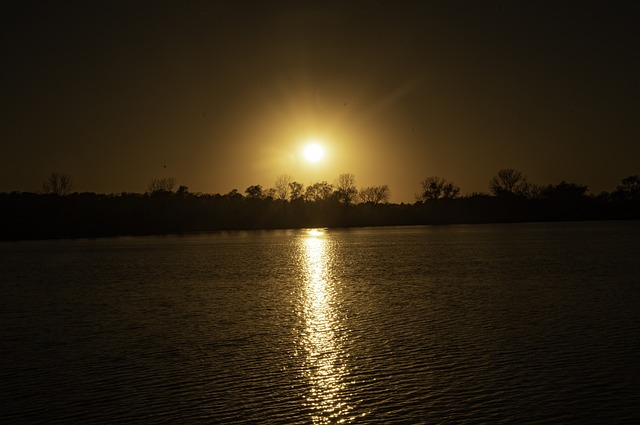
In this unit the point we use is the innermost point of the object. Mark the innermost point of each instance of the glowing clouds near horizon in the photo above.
(313, 152)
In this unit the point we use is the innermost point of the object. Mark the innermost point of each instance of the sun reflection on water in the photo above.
(323, 336)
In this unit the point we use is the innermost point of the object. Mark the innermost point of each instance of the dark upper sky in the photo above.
(225, 96)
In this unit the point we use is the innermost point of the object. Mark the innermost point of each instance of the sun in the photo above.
(313, 152)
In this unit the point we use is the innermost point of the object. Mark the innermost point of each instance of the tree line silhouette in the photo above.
(56, 212)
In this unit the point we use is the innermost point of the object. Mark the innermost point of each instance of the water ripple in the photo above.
(463, 324)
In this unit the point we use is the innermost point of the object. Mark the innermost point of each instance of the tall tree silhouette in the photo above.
(319, 191)
(296, 191)
(346, 188)
(254, 192)
(629, 189)
(437, 188)
(57, 184)
(509, 181)
(282, 187)
(375, 194)
(165, 184)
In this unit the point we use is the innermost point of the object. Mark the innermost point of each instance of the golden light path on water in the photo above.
(326, 365)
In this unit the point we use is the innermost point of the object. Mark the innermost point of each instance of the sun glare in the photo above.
(313, 152)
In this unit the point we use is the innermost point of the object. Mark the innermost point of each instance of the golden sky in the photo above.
(223, 96)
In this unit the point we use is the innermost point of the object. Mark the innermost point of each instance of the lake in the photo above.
(503, 323)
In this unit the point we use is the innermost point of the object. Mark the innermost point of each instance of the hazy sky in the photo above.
(222, 97)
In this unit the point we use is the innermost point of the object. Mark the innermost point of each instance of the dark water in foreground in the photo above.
(458, 324)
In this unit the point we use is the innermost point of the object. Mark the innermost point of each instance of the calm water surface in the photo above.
(509, 323)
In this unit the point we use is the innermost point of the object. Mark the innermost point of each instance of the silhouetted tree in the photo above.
(234, 195)
(30, 215)
(535, 191)
(346, 188)
(296, 191)
(509, 182)
(269, 193)
(165, 184)
(437, 188)
(320, 191)
(57, 184)
(629, 189)
(254, 192)
(282, 187)
(603, 196)
(562, 192)
(375, 194)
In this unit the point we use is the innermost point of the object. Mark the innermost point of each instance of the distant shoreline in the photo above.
(29, 216)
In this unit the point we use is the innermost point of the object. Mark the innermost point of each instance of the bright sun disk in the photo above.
(313, 152)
